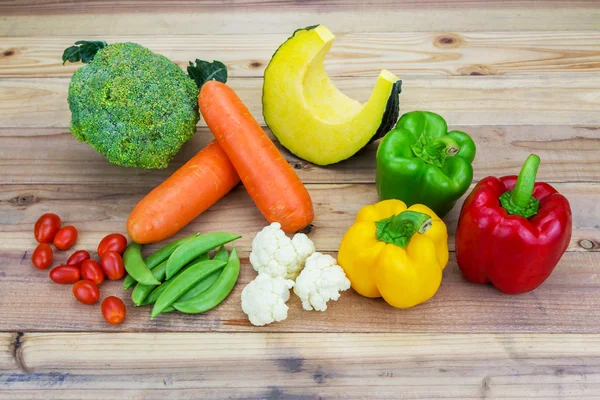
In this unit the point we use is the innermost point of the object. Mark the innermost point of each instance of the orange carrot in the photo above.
(190, 191)
(269, 179)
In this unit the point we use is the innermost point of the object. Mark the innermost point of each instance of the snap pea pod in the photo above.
(141, 291)
(158, 257)
(207, 282)
(136, 267)
(179, 285)
(192, 249)
(201, 257)
(214, 295)
(153, 293)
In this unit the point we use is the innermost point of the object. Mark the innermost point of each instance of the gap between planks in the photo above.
(353, 54)
(303, 366)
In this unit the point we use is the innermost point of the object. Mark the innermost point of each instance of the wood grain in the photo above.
(472, 100)
(53, 156)
(302, 366)
(354, 54)
(97, 210)
(568, 302)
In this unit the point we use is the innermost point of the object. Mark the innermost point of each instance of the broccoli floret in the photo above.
(133, 106)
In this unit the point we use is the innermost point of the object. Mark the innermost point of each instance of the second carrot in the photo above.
(269, 179)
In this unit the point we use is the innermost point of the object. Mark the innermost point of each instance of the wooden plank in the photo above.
(53, 156)
(99, 210)
(37, 7)
(99, 18)
(354, 54)
(307, 366)
(468, 100)
(568, 302)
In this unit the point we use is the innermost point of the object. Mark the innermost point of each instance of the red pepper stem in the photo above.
(400, 228)
(523, 190)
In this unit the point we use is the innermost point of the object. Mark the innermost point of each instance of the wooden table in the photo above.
(521, 76)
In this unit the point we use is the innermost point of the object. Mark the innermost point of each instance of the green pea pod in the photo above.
(141, 291)
(207, 282)
(182, 283)
(158, 257)
(192, 249)
(201, 257)
(214, 295)
(136, 267)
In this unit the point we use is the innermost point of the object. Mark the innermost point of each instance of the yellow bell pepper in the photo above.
(395, 252)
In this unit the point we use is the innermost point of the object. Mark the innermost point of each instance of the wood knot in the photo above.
(587, 244)
(255, 64)
(448, 41)
(477, 70)
(8, 53)
(23, 200)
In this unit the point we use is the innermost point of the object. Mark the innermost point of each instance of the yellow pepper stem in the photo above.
(400, 228)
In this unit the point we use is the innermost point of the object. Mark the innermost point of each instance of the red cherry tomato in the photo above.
(113, 242)
(112, 264)
(65, 274)
(86, 292)
(78, 257)
(65, 238)
(46, 227)
(91, 271)
(113, 310)
(42, 256)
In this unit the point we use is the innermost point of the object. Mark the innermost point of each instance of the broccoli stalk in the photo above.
(133, 106)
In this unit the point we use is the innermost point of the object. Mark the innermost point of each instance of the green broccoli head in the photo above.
(133, 106)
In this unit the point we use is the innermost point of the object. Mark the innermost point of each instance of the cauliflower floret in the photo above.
(321, 280)
(264, 299)
(275, 254)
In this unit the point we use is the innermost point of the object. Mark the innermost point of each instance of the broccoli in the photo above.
(133, 106)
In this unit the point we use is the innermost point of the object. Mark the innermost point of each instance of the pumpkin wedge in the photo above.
(309, 115)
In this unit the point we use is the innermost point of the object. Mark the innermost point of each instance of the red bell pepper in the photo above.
(513, 231)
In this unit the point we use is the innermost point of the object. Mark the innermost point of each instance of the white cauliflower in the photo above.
(321, 280)
(275, 254)
(264, 299)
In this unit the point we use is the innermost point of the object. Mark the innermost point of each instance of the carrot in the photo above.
(269, 179)
(190, 191)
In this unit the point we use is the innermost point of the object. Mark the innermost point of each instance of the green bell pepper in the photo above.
(420, 162)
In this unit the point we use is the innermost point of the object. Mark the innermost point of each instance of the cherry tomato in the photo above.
(78, 257)
(65, 274)
(113, 242)
(42, 256)
(86, 292)
(112, 264)
(65, 238)
(113, 310)
(91, 271)
(46, 227)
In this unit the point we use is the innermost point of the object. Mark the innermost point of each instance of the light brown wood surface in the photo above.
(520, 76)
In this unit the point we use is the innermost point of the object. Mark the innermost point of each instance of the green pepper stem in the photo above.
(520, 200)
(400, 228)
(443, 144)
(523, 190)
(435, 151)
